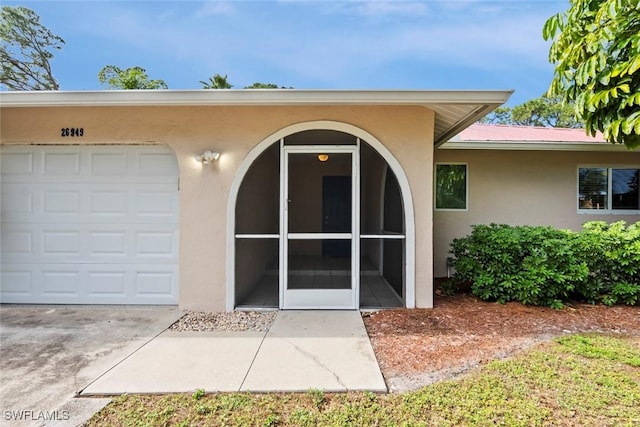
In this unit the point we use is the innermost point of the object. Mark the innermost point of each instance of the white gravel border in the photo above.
(233, 321)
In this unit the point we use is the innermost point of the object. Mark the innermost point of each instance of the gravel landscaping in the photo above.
(255, 321)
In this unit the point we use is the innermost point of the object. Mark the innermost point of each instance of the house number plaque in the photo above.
(71, 132)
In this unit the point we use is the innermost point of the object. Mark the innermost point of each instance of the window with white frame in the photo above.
(451, 186)
(612, 189)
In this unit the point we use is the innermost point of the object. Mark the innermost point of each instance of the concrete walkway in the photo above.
(327, 350)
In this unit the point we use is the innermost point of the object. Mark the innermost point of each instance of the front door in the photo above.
(319, 223)
(336, 214)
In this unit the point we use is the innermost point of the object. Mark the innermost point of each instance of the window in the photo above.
(451, 186)
(624, 188)
(614, 189)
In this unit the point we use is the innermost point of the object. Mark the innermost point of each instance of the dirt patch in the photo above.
(420, 346)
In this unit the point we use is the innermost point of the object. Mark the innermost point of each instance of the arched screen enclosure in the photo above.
(319, 223)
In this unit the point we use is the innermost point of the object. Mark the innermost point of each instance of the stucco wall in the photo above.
(520, 188)
(407, 132)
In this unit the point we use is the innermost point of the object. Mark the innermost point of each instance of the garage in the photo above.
(89, 224)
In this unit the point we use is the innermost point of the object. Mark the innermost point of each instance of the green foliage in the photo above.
(317, 397)
(543, 111)
(612, 255)
(534, 265)
(547, 112)
(198, 394)
(601, 347)
(266, 86)
(203, 410)
(272, 420)
(25, 50)
(262, 86)
(130, 78)
(450, 287)
(596, 52)
(499, 116)
(216, 81)
(545, 266)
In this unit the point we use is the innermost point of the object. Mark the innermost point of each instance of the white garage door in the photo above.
(89, 224)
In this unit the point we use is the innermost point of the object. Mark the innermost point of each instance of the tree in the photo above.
(542, 111)
(596, 52)
(262, 86)
(266, 86)
(131, 78)
(546, 112)
(25, 50)
(499, 116)
(217, 81)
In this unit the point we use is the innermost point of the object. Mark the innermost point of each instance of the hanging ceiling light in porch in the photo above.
(323, 157)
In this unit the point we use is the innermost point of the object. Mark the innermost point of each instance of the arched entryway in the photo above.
(320, 216)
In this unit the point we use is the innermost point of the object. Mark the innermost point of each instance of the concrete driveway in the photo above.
(48, 353)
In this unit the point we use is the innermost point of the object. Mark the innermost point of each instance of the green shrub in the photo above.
(612, 254)
(546, 266)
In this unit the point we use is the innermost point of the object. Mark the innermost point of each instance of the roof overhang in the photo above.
(534, 146)
(454, 110)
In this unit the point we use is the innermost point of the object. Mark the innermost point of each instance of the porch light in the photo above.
(323, 157)
(208, 157)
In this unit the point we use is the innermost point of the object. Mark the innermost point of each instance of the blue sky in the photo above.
(454, 44)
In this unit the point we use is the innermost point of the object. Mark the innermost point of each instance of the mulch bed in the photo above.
(416, 347)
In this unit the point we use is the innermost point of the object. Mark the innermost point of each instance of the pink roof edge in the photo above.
(482, 132)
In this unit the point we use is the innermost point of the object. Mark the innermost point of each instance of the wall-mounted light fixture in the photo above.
(323, 157)
(208, 157)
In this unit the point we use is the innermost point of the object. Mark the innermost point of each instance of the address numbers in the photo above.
(71, 132)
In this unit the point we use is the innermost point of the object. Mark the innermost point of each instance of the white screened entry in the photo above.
(90, 224)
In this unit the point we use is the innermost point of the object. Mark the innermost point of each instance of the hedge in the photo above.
(547, 266)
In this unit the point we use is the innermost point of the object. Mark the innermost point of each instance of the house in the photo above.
(287, 199)
(521, 175)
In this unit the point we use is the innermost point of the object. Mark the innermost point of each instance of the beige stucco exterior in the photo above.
(406, 131)
(518, 188)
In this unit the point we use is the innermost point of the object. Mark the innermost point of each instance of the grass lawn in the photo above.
(576, 380)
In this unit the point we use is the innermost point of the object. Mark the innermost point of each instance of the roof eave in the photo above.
(470, 105)
(534, 146)
(248, 97)
(466, 121)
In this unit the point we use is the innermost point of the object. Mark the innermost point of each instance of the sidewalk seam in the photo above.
(79, 392)
(255, 356)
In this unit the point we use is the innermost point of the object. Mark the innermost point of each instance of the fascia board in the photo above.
(533, 146)
(249, 97)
